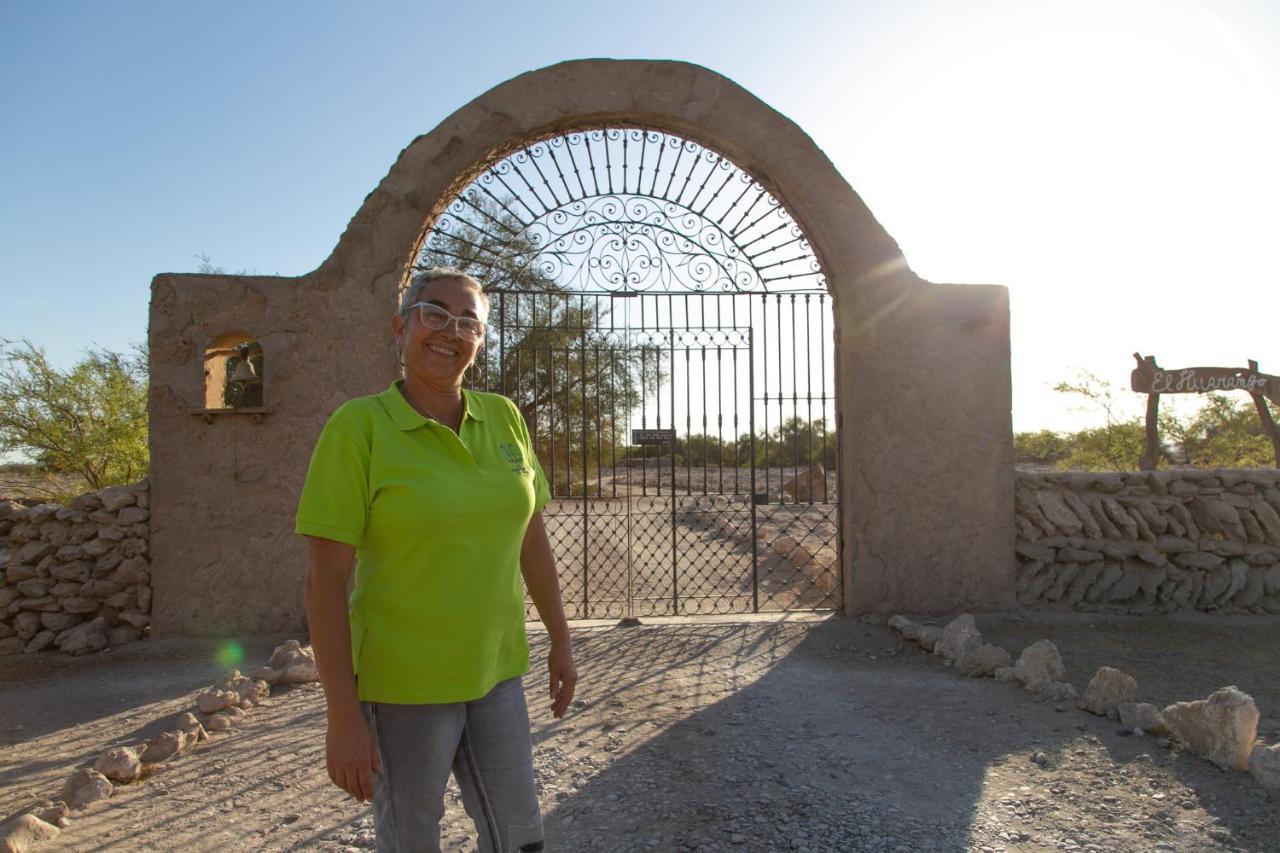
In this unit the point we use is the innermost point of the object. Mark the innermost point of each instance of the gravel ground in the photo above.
(800, 733)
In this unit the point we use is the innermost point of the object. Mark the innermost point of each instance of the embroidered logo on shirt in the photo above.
(514, 457)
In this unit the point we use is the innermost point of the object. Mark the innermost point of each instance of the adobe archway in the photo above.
(923, 377)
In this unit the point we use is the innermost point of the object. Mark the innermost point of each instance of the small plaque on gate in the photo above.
(653, 436)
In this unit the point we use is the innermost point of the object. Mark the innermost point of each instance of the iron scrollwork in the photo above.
(622, 210)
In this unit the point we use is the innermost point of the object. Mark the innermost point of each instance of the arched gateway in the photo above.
(691, 306)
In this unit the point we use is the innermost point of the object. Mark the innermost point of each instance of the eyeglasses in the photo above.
(436, 318)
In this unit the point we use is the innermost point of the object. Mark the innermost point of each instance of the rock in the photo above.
(959, 637)
(904, 626)
(55, 813)
(1221, 728)
(1059, 691)
(119, 764)
(1108, 688)
(1035, 552)
(31, 553)
(1217, 516)
(299, 673)
(983, 661)
(84, 787)
(1058, 513)
(1039, 665)
(34, 587)
(115, 498)
(929, 637)
(290, 652)
(85, 638)
(1264, 765)
(253, 691)
(132, 571)
(40, 642)
(12, 646)
(131, 515)
(218, 723)
(212, 701)
(137, 620)
(80, 604)
(78, 572)
(26, 625)
(1005, 673)
(191, 728)
(1142, 716)
(1076, 555)
(164, 746)
(26, 831)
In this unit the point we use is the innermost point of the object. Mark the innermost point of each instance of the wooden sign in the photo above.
(653, 436)
(1151, 379)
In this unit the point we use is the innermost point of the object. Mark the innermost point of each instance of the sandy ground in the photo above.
(778, 734)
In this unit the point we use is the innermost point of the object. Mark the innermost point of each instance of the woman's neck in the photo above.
(444, 405)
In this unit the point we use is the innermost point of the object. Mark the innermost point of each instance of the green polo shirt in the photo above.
(437, 520)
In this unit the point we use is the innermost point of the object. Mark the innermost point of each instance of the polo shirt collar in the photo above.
(406, 417)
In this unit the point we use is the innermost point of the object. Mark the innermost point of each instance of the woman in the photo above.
(436, 495)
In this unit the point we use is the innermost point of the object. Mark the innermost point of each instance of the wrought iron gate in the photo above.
(660, 320)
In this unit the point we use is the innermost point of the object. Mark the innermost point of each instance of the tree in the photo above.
(1226, 433)
(90, 420)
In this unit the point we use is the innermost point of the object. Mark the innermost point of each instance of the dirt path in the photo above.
(750, 735)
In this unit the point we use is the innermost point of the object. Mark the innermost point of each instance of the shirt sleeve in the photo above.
(541, 490)
(335, 496)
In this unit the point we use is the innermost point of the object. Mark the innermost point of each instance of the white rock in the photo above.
(904, 626)
(119, 764)
(299, 673)
(218, 723)
(252, 691)
(212, 701)
(1005, 673)
(288, 653)
(191, 727)
(1264, 765)
(1107, 690)
(85, 787)
(983, 661)
(1143, 717)
(1222, 728)
(23, 833)
(929, 636)
(1059, 691)
(1039, 665)
(959, 637)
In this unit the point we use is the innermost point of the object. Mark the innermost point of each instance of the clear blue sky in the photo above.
(1115, 164)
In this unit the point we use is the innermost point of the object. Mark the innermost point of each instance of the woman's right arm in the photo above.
(350, 752)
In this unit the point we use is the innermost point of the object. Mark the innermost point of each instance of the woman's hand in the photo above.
(563, 677)
(351, 755)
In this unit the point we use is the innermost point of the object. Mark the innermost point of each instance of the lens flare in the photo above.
(229, 654)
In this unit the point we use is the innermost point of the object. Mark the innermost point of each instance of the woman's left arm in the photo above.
(538, 566)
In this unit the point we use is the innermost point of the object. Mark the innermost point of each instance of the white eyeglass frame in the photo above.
(441, 311)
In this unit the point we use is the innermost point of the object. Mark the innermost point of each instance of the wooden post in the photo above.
(1150, 456)
(1268, 422)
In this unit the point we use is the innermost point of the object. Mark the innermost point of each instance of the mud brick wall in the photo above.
(76, 578)
(1150, 541)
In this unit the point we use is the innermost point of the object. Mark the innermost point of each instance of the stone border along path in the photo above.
(221, 708)
(819, 734)
(1222, 728)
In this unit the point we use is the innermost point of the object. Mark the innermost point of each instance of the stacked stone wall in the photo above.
(1150, 541)
(77, 578)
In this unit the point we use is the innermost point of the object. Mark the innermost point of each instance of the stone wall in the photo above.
(76, 578)
(1149, 541)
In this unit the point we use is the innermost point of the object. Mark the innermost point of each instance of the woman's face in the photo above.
(440, 356)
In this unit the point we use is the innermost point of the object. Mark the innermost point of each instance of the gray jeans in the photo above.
(485, 743)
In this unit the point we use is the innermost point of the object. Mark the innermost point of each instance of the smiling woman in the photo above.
(436, 494)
